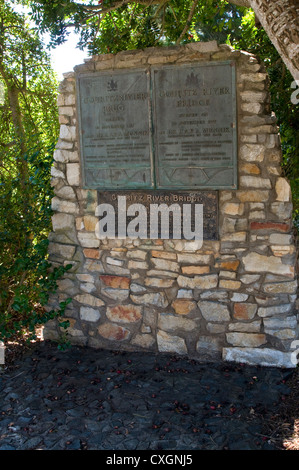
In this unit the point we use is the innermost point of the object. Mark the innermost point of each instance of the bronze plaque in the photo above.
(171, 206)
(195, 126)
(114, 127)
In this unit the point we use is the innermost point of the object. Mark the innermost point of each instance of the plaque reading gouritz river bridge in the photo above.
(171, 209)
(169, 127)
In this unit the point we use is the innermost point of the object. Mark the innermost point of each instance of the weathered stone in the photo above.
(281, 287)
(137, 265)
(87, 287)
(228, 274)
(228, 284)
(213, 311)
(254, 356)
(284, 334)
(145, 341)
(249, 327)
(65, 251)
(270, 226)
(157, 282)
(280, 239)
(214, 295)
(124, 313)
(216, 328)
(169, 322)
(231, 265)
(244, 311)
(208, 345)
(278, 323)
(254, 262)
(114, 262)
(194, 258)
(57, 173)
(89, 314)
(159, 273)
(183, 306)
(251, 340)
(88, 240)
(136, 288)
(115, 282)
(250, 169)
(65, 156)
(116, 294)
(171, 344)
(91, 253)
(66, 192)
(89, 299)
(250, 278)
(67, 132)
(185, 294)
(252, 153)
(282, 250)
(113, 332)
(282, 210)
(195, 270)
(238, 297)
(158, 299)
(164, 255)
(85, 277)
(165, 264)
(60, 205)
(253, 196)
(233, 208)
(90, 222)
(255, 182)
(274, 310)
(137, 254)
(283, 190)
(63, 222)
(65, 285)
(235, 237)
(199, 282)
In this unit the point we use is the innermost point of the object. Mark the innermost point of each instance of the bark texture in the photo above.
(280, 20)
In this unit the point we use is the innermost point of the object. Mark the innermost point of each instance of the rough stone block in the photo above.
(113, 332)
(124, 313)
(213, 311)
(169, 322)
(171, 344)
(256, 356)
(183, 306)
(89, 314)
(244, 311)
(254, 262)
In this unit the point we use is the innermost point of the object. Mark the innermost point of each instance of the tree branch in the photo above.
(190, 16)
(241, 3)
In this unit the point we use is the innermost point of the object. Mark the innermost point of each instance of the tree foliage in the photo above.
(115, 25)
(28, 130)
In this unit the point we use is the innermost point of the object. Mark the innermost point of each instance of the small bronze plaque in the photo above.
(195, 126)
(163, 214)
(115, 134)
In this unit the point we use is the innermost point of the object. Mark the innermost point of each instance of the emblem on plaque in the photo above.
(192, 80)
(112, 85)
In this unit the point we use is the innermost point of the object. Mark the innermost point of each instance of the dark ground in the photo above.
(85, 399)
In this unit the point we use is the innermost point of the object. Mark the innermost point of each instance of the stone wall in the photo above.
(232, 299)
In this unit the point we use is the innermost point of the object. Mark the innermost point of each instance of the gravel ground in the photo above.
(85, 399)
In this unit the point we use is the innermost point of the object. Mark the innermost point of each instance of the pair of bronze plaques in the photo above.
(168, 127)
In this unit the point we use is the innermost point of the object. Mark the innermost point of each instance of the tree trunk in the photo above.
(280, 20)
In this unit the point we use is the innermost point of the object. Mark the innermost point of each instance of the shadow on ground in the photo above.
(86, 399)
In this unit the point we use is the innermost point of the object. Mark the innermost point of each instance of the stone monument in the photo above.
(171, 134)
